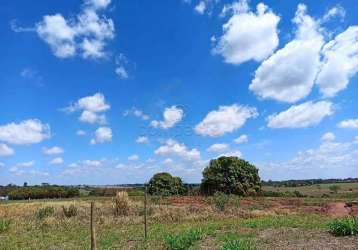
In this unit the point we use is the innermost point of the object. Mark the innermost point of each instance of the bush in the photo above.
(184, 240)
(238, 244)
(44, 212)
(121, 204)
(334, 188)
(220, 201)
(164, 184)
(344, 227)
(230, 175)
(4, 225)
(70, 211)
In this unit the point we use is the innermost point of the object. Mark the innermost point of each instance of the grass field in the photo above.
(346, 190)
(178, 223)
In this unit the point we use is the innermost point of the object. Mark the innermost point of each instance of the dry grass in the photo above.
(126, 232)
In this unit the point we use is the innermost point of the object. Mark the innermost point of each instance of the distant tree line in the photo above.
(38, 192)
(308, 182)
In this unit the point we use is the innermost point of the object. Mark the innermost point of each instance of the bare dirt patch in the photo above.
(291, 238)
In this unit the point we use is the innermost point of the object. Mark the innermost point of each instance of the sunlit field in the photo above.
(181, 222)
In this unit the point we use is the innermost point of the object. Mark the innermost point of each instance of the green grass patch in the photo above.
(344, 227)
(184, 240)
(239, 244)
(296, 221)
(4, 225)
(44, 212)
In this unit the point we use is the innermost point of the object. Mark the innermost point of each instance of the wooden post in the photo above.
(145, 211)
(93, 231)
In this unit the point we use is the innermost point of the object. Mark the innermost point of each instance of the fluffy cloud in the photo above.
(92, 117)
(241, 139)
(5, 150)
(121, 72)
(57, 161)
(171, 115)
(173, 148)
(87, 34)
(248, 35)
(91, 107)
(340, 62)
(350, 123)
(133, 158)
(328, 137)
(218, 147)
(200, 7)
(83, 167)
(53, 151)
(26, 132)
(288, 75)
(301, 116)
(236, 153)
(142, 140)
(225, 120)
(330, 160)
(102, 135)
(137, 113)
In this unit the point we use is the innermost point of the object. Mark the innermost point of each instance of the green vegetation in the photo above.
(344, 227)
(220, 201)
(334, 188)
(4, 225)
(238, 244)
(164, 184)
(44, 212)
(184, 240)
(230, 175)
(70, 211)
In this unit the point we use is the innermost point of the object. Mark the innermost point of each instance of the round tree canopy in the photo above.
(230, 175)
(165, 184)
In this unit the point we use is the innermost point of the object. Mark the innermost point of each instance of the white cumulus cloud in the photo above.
(350, 123)
(53, 151)
(218, 147)
(133, 158)
(5, 150)
(340, 62)
(56, 161)
(248, 35)
(241, 139)
(328, 137)
(289, 74)
(301, 116)
(92, 108)
(171, 115)
(102, 135)
(174, 148)
(26, 132)
(225, 120)
(87, 34)
(142, 140)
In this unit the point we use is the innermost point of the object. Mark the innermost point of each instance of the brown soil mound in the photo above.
(337, 209)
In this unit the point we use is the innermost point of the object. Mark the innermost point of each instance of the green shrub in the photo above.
(230, 175)
(344, 227)
(4, 225)
(70, 211)
(184, 240)
(164, 184)
(220, 201)
(238, 244)
(44, 212)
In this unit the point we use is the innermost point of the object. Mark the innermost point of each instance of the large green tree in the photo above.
(230, 175)
(165, 184)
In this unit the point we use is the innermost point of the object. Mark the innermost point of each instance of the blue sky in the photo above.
(110, 92)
